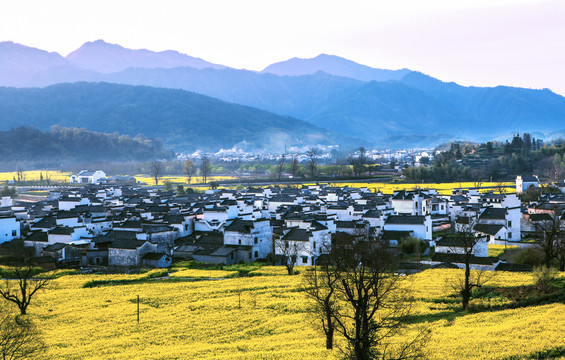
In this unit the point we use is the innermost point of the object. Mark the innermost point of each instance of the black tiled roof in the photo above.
(297, 234)
(488, 229)
(492, 213)
(406, 219)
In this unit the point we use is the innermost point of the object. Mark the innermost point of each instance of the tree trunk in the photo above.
(466, 292)
(330, 339)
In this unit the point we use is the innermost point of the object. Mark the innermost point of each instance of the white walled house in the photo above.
(9, 228)
(453, 245)
(128, 252)
(407, 203)
(87, 177)
(257, 234)
(303, 246)
(6, 201)
(66, 234)
(525, 182)
(495, 217)
(419, 225)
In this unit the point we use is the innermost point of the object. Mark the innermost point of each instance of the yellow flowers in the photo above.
(262, 317)
(442, 189)
(55, 176)
(497, 250)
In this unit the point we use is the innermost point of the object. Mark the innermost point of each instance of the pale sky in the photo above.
(471, 42)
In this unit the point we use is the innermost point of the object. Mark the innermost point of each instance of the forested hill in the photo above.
(184, 120)
(29, 144)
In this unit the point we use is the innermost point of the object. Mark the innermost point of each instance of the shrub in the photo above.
(412, 245)
(544, 276)
(529, 256)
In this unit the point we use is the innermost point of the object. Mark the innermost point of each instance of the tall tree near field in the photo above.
(312, 164)
(156, 168)
(551, 239)
(467, 239)
(320, 290)
(281, 165)
(22, 289)
(370, 303)
(205, 168)
(294, 166)
(189, 170)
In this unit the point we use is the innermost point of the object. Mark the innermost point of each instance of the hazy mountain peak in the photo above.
(333, 65)
(20, 63)
(104, 57)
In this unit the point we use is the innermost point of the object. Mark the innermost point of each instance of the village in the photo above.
(127, 227)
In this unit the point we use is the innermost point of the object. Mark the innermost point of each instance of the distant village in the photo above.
(114, 223)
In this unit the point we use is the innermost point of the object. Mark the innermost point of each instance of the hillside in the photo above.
(265, 316)
(72, 144)
(185, 121)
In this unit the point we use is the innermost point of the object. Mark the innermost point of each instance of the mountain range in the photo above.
(339, 98)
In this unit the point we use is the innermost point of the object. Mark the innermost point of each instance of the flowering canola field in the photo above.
(442, 188)
(35, 175)
(263, 317)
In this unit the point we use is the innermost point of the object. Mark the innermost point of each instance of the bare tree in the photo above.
(19, 338)
(466, 240)
(372, 303)
(20, 175)
(477, 175)
(312, 164)
(23, 287)
(189, 170)
(281, 165)
(320, 288)
(362, 159)
(500, 188)
(551, 235)
(205, 168)
(356, 165)
(156, 168)
(290, 250)
(294, 166)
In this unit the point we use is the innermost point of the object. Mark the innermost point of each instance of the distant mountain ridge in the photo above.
(108, 58)
(333, 65)
(399, 108)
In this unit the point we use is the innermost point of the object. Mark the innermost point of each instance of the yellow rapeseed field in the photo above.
(55, 176)
(263, 317)
(442, 188)
(497, 250)
(181, 180)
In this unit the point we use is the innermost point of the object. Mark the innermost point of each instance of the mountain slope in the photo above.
(185, 121)
(384, 110)
(333, 65)
(107, 58)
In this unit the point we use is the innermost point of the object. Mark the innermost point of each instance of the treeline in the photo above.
(495, 161)
(73, 144)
